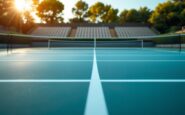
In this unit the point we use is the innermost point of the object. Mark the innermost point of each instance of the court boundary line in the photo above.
(47, 60)
(165, 50)
(88, 81)
(92, 60)
(141, 60)
(102, 54)
(144, 81)
(44, 81)
(45, 52)
(140, 55)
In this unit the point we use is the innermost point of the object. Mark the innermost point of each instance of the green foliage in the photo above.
(50, 11)
(129, 16)
(139, 16)
(79, 11)
(77, 20)
(179, 0)
(110, 15)
(95, 12)
(28, 22)
(167, 40)
(100, 12)
(144, 14)
(169, 16)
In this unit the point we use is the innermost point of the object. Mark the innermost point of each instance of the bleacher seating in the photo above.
(133, 31)
(52, 31)
(93, 32)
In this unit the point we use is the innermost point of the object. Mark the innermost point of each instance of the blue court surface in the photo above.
(88, 81)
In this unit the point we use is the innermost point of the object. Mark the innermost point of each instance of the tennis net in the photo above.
(175, 41)
(95, 43)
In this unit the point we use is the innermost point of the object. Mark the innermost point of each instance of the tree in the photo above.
(95, 12)
(123, 16)
(77, 20)
(27, 17)
(141, 15)
(50, 11)
(110, 15)
(8, 15)
(100, 12)
(28, 22)
(179, 0)
(35, 2)
(144, 14)
(79, 11)
(129, 16)
(11, 17)
(169, 16)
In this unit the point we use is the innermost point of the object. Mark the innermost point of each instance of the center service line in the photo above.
(95, 104)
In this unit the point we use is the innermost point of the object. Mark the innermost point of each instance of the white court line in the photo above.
(43, 81)
(141, 60)
(141, 54)
(46, 60)
(58, 53)
(142, 49)
(87, 81)
(99, 55)
(169, 51)
(145, 81)
(92, 60)
(95, 104)
(40, 54)
(4, 53)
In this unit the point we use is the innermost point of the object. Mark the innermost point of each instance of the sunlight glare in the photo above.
(23, 5)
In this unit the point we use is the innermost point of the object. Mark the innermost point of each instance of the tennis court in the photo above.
(89, 81)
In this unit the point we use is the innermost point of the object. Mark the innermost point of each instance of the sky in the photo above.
(120, 4)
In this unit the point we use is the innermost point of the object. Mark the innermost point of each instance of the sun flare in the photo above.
(23, 5)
